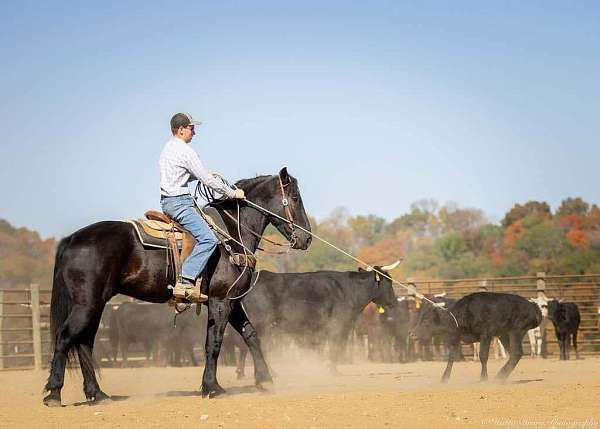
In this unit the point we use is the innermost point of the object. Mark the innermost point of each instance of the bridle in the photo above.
(288, 212)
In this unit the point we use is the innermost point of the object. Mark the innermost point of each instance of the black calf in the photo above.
(482, 316)
(565, 317)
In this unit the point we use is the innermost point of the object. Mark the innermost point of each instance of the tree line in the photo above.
(451, 242)
(433, 241)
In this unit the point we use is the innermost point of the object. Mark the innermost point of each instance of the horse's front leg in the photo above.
(218, 315)
(239, 320)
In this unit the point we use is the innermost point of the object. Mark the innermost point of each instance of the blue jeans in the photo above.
(182, 209)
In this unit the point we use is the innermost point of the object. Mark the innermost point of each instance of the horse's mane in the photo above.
(250, 183)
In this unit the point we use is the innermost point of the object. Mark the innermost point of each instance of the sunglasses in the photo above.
(189, 127)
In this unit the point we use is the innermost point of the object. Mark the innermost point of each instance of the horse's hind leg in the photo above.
(68, 336)
(239, 320)
(92, 390)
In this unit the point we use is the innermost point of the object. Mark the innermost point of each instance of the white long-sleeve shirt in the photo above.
(179, 165)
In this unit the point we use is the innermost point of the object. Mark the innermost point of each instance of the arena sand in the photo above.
(539, 394)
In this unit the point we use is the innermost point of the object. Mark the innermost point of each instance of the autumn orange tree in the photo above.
(24, 257)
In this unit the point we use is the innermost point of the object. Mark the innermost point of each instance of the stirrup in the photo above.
(191, 293)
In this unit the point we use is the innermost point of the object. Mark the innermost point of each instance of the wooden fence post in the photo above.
(1, 327)
(540, 286)
(540, 282)
(35, 325)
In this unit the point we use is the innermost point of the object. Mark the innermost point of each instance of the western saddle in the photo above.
(160, 231)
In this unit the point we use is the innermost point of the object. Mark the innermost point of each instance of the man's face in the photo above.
(186, 133)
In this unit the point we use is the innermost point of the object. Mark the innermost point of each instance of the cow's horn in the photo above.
(391, 267)
(440, 304)
(369, 268)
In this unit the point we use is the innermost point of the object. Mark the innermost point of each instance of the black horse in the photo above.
(106, 258)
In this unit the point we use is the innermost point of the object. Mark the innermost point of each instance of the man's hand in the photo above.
(239, 194)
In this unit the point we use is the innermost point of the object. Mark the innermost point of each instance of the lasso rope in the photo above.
(369, 267)
(209, 196)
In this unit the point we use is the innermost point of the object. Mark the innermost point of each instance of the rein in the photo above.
(209, 195)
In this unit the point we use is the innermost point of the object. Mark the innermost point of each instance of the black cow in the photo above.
(566, 318)
(480, 317)
(396, 326)
(425, 343)
(316, 307)
(152, 325)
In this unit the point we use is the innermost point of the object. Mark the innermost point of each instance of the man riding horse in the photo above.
(107, 258)
(179, 165)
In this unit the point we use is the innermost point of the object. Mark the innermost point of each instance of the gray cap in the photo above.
(182, 120)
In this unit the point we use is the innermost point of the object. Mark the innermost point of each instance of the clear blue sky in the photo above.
(371, 105)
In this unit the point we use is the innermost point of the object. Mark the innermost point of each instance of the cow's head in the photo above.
(542, 305)
(383, 293)
(432, 319)
(553, 310)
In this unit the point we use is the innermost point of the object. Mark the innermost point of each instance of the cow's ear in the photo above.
(361, 270)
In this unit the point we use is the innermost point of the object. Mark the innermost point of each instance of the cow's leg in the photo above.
(544, 344)
(453, 346)
(532, 342)
(124, 346)
(516, 352)
(501, 348)
(218, 315)
(575, 345)
(484, 351)
(561, 345)
(475, 351)
(239, 320)
(241, 365)
(505, 340)
(339, 339)
(193, 359)
(78, 323)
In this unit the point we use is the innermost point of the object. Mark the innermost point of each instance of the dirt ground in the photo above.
(539, 394)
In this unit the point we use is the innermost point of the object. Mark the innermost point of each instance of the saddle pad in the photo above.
(153, 238)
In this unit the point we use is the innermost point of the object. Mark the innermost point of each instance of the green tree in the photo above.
(571, 206)
(521, 211)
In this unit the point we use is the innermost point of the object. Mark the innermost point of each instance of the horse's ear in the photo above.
(285, 177)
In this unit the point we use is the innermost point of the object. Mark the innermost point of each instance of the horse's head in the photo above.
(280, 194)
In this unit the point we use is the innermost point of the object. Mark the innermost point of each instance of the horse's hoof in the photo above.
(49, 401)
(98, 398)
(212, 392)
(264, 386)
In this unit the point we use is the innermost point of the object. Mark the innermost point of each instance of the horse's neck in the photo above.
(250, 219)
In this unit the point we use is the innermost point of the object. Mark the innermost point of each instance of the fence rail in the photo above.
(24, 327)
(24, 312)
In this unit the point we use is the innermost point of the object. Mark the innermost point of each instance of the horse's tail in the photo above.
(60, 303)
